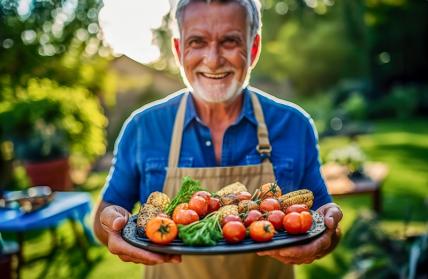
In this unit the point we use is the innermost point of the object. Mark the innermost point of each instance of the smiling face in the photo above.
(214, 50)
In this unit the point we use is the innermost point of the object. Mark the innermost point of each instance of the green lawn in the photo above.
(402, 145)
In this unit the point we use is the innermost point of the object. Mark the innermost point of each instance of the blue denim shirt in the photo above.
(142, 148)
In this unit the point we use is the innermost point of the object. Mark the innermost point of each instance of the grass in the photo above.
(402, 145)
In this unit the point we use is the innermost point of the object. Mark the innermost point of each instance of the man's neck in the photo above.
(219, 114)
(218, 117)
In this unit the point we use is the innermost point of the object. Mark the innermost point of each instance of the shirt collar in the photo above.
(246, 112)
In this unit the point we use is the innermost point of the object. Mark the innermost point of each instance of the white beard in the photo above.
(217, 93)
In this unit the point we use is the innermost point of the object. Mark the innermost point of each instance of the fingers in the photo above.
(332, 215)
(127, 252)
(114, 218)
(303, 254)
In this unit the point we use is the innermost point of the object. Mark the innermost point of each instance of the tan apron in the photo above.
(213, 178)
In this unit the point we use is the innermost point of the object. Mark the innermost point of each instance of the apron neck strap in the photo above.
(263, 147)
(177, 133)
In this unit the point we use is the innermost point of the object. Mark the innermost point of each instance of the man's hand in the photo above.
(113, 219)
(319, 247)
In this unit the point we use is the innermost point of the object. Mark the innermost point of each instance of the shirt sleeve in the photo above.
(122, 185)
(312, 178)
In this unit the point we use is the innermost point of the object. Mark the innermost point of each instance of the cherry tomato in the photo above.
(234, 232)
(262, 231)
(230, 218)
(185, 216)
(252, 216)
(296, 208)
(206, 195)
(270, 190)
(269, 204)
(243, 196)
(183, 205)
(214, 204)
(296, 223)
(199, 204)
(161, 230)
(276, 217)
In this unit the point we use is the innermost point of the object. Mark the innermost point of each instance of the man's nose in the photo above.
(213, 57)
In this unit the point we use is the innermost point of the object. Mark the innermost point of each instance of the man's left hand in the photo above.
(305, 254)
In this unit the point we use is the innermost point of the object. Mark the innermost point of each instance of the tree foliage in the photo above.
(59, 40)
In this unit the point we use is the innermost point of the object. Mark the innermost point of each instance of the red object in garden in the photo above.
(54, 173)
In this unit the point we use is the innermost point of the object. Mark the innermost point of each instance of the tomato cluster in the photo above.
(264, 223)
(260, 224)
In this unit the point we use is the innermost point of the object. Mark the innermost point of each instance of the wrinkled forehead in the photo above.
(214, 18)
(215, 12)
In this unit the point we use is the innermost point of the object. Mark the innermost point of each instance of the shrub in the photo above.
(46, 121)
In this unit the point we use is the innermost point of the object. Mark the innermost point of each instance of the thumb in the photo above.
(114, 218)
(332, 215)
(119, 223)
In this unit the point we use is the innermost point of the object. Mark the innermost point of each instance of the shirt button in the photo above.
(208, 143)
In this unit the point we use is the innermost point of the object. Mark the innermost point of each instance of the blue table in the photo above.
(73, 206)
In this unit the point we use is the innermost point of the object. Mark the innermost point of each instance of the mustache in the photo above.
(217, 71)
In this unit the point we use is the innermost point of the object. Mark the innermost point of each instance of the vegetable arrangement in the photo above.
(201, 218)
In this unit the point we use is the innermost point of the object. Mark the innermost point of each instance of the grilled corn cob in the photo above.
(297, 197)
(227, 210)
(147, 212)
(232, 188)
(159, 200)
(247, 205)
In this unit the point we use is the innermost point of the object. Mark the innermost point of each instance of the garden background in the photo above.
(359, 67)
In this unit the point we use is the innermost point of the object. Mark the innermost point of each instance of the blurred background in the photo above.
(72, 71)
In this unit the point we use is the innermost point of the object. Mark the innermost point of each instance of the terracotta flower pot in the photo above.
(54, 173)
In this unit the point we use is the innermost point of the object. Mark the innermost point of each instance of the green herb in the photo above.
(205, 232)
(187, 189)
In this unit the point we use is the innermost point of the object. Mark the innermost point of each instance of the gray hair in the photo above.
(252, 7)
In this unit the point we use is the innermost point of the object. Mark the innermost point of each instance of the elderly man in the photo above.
(217, 131)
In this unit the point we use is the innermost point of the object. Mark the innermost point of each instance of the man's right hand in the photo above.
(112, 219)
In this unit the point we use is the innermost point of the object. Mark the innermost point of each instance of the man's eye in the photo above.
(230, 43)
(196, 43)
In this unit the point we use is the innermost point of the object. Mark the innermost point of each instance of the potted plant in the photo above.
(351, 157)
(46, 124)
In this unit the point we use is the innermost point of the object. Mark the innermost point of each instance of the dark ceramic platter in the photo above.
(135, 237)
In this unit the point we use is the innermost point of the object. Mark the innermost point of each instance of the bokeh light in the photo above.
(127, 27)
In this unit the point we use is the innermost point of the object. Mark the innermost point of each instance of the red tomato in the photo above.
(199, 204)
(183, 205)
(234, 232)
(243, 196)
(252, 216)
(269, 204)
(297, 208)
(161, 230)
(206, 195)
(230, 218)
(214, 204)
(185, 216)
(296, 223)
(276, 217)
(262, 231)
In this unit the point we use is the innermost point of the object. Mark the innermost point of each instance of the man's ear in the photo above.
(177, 50)
(255, 50)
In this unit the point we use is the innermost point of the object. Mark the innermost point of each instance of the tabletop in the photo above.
(339, 183)
(64, 205)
